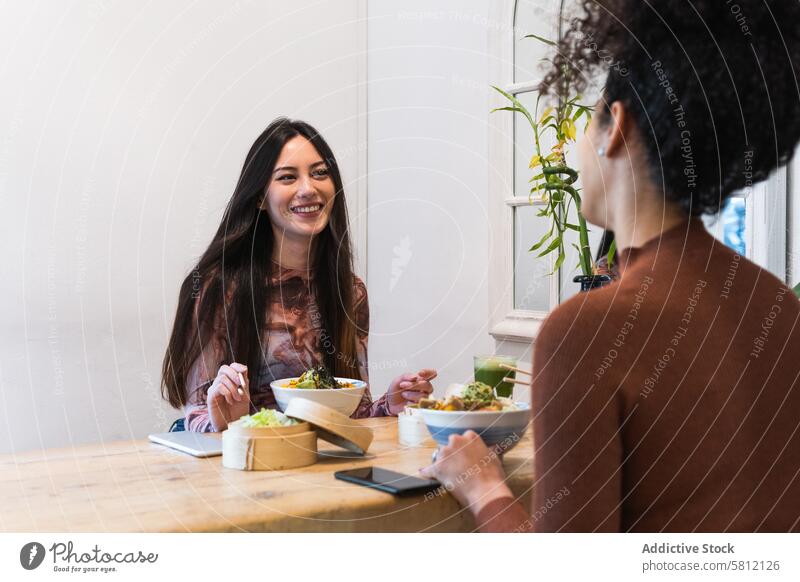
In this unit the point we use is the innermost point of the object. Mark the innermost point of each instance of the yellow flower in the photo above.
(535, 161)
(547, 112)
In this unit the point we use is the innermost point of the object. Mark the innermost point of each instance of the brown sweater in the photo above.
(667, 401)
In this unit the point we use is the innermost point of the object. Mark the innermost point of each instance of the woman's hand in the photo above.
(407, 389)
(225, 402)
(469, 470)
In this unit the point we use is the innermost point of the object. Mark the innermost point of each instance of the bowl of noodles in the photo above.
(499, 421)
(319, 385)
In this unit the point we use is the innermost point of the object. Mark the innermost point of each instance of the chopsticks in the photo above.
(512, 368)
(515, 381)
(241, 383)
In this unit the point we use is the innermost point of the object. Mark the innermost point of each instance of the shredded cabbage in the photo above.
(266, 417)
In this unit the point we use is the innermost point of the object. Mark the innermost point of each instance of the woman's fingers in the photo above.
(412, 395)
(427, 374)
(422, 387)
(230, 373)
(236, 377)
(240, 369)
(424, 375)
(228, 389)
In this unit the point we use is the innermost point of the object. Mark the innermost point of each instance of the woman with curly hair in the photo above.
(668, 400)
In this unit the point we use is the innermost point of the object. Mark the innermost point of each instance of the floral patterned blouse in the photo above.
(294, 344)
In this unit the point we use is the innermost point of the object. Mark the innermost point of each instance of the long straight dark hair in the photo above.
(230, 283)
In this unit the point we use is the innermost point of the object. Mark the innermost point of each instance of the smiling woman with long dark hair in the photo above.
(275, 293)
(668, 400)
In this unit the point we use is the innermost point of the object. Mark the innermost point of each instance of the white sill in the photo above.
(518, 328)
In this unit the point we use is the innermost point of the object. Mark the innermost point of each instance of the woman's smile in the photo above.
(307, 211)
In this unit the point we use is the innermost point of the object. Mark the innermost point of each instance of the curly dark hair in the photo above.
(712, 86)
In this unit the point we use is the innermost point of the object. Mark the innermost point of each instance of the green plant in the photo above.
(554, 179)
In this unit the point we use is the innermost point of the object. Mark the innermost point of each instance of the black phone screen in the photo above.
(388, 481)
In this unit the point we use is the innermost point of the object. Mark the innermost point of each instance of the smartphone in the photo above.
(388, 481)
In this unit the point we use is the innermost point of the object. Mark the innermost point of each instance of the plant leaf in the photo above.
(612, 250)
(505, 109)
(554, 244)
(541, 242)
(520, 107)
(568, 128)
(540, 38)
(559, 262)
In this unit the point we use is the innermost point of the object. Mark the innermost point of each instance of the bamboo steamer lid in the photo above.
(269, 448)
(331, 425)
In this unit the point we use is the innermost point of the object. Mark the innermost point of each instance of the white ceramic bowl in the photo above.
(495, 428)
(344, 400)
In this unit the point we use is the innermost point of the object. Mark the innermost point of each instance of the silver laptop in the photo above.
(197, 444)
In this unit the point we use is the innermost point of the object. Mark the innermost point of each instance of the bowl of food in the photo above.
(319, 385)
(498, 421)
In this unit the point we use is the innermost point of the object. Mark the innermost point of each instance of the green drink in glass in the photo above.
(490, 370)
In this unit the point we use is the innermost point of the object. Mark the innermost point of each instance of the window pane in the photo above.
(731, 225)
(531, 17)
(733, 219)
(524, 146)
(531, 273)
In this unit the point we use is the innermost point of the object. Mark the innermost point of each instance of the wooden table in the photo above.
(137, 486)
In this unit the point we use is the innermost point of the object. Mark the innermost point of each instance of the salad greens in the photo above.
(317, 377)
(266, 417)
(477, 395)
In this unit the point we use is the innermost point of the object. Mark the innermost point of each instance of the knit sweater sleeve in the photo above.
(577, 420)
(578, 450)
(200, 377)
(203, 371)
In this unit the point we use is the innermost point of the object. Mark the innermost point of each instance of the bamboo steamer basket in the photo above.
(269, 448)
(331, 425)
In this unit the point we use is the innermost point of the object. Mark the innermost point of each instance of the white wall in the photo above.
(428, 224)
(123, 126)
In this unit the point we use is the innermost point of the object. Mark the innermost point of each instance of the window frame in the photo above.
(505, 321)
(767, 224)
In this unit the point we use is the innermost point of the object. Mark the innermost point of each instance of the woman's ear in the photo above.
(616, 128)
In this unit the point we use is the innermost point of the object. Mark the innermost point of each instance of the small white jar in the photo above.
(411, 429)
